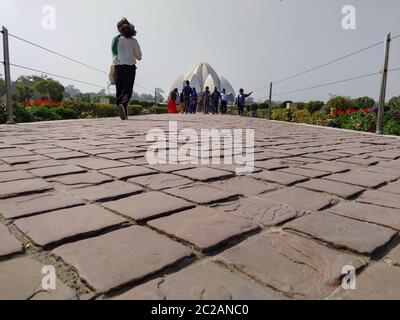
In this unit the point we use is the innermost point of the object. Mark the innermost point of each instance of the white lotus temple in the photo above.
(202, 75)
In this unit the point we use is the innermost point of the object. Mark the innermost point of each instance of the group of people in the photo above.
(189, 102)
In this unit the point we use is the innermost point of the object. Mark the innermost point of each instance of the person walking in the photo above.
(126, 52)
(172, 101)
(224, 101)
(241, 101)
(215, 97)
(187, 94)
(206, 100)
(182, 102)
(194, 101)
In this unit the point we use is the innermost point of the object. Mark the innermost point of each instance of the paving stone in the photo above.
(8, 244)
(16, 188)
(149, 205)
(97, 164)
(169, 168)
(380, 198)
(204, 174)
(244, 186)
(95, 152)
(361, 178)
(20, 279)
(387, 154)
(6, 168)
(107, 191)
(128, 172)
(205, 228)
(384, 170)
(67, 155)
(310, 173)
(201, 193)
(14, 175)
(15, 208)
(57, 171)
(301, 199)
(286, 179)
(378, 282)
(203, 281)
(161, 181)
(261, 211)
(120, 257)
(82, 179)
(38, 164)
(331, 167)
(360, 161)
(118, 155)
(23, 159)
(392, 164)
(298, 266)
(14, 153)
(359, 236)
(270, 164)
(339, 189)
(394, 256)
(392, 188)
(65, 225)
(384, 216)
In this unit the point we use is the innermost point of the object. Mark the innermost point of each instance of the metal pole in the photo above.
(382, 95)
(7, 75)
(270, 102)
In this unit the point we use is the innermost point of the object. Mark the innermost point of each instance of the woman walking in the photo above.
(126, 52)
(172, 101)
(193, 103)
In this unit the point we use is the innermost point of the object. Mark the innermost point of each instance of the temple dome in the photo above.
(202, 75)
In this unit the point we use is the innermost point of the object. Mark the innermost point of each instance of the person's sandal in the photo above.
(122, 113)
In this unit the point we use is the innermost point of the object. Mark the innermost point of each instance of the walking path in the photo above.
(79, 196)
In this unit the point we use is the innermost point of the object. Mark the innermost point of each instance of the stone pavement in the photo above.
(80, 196)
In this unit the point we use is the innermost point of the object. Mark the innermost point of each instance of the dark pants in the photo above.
(124, 81)
(187, 105)
(241, 110)
(224, 107)
(215, 107)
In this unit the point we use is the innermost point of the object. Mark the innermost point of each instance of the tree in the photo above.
(2, 87)
(48, 88)
(394, 104)
(23, 92)
(364, 102)
(84, 97)
(71, 92)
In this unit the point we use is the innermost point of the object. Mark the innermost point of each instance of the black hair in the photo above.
(126, 28)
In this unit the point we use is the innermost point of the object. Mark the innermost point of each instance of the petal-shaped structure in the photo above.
(202, 75)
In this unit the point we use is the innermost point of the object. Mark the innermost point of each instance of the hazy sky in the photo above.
(250, 42)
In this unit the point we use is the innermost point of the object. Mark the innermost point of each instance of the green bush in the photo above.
(357, 121)
(394, 104)
(282, 114)
(301, 116)
(65, 113)
(314, 106)
(392, 127)
(3, 114)
(262, 113)
(134, 110)
(340, 103)
(263, 106)
(44, 113)
(364, 103)
(22, 114)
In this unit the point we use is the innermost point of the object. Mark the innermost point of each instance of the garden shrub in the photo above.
(364, 103)
(392, 127)
(134, 110)
(3, 114)
(22, 114)
(301, 116)
(262, 113)
(340, 103)
(44, 113)
(394, 104)
(65, 113)
(314, 106)
(282, 115)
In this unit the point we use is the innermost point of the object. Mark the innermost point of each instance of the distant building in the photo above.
(202, 75)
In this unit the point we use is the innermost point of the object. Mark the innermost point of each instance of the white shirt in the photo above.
(224, 96)
(128, 51)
